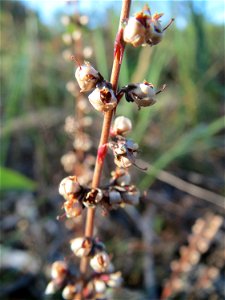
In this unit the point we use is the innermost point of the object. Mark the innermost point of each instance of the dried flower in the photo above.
(69, 186)
(51, 288)
(143, 94)
(100, 262)
(103, 98)
(82, 105)
(59, 270)
(82, 142)
(71, 87)
(122, 126)
(68, 161)
(93, 197)
(68, 292)
(144, 29)
(66, 54)
(121, 177)
(136, 29)
(87, 77)
(76, 35)
(72, 208)
(99, 286)
(114, 198)
(131, 196)
(81, 246)
(70, 125)
(67, 39)
(115, 280)
(65, 20)
(124, 152)
(156, 30)
(84, 20)
(88, 52)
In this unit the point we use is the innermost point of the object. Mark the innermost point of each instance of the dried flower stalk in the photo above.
(89, 227)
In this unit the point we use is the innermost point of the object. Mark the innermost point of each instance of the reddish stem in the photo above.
(89, 226)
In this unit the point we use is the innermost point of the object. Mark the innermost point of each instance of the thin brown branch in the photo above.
(192, 189)
(89, 227)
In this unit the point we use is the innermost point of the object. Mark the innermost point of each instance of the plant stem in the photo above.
(89, 226)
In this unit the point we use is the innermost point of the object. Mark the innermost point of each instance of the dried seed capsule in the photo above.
(81, 246)
(100, 262)
(115, 280)
(143, 94)
(51, 288)
(99, 286)
(69, 186)
(59, 270)
(134, 32)
(136, 29)
(121, 177)
(156, 31)
(131, 196)
(93, 197)
(122, 162)
(68, 292)
(122, 125)
(114, 198)
(72, 208)
(103, 98)
(87, 77)
(68, 161)
(124, 152)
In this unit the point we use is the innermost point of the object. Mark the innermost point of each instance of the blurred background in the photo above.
(181, 137)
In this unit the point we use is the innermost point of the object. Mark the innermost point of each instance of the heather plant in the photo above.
(139, 30)
(180, 136)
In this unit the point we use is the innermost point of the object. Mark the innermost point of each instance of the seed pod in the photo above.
(124, 152)
(122, 126)
(72, 208)
(143, 94)
(131, 196)
(156, 31)
(114, 198)
(59, 270)
(68, 292)
(69, 186)
(87, 77)
(136, 29)
(51, 288)
(93, 197)
(100, 262)
(121, 177)
(134, 32)
(115, 280)
(122, 162)
(99, 286)
(103, 98)
(81, 246)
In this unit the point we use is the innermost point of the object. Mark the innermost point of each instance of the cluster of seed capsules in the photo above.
(203, 232)
(95, 285)
(140, 29)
